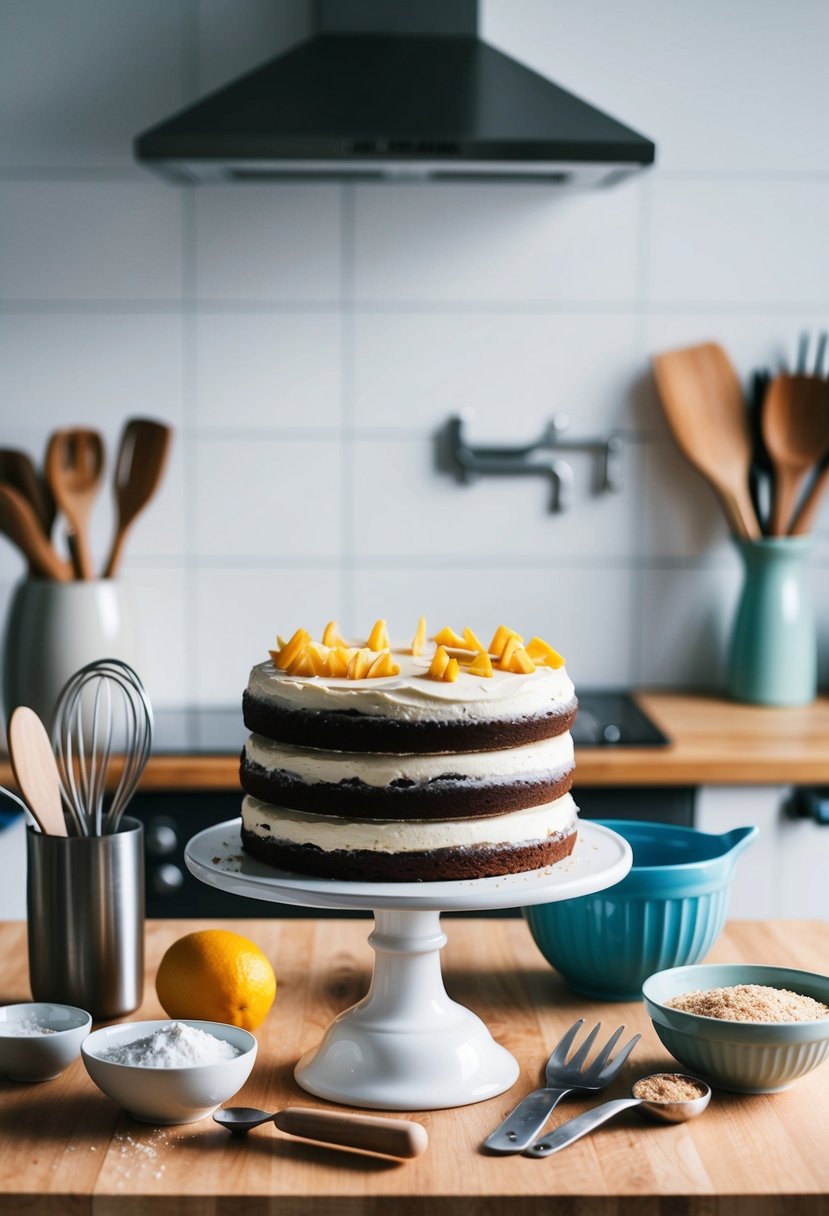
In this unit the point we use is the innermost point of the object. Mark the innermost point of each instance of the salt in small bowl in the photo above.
(59, 1031)
(160, 1095)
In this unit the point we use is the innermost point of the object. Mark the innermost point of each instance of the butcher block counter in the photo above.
(64, 1147)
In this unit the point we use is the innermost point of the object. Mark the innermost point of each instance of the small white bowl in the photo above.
(168, 1095)
(41, 1057)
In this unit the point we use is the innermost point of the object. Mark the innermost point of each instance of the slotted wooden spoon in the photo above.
(703, 403)
(142, 455)
(74, 465)
(36, 770)
(796, 433)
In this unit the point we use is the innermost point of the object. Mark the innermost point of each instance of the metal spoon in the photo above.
(392, 1137)
(665, 1111)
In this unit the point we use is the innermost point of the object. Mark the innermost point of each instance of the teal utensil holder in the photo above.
(773, 653)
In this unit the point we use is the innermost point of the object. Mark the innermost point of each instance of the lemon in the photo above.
(217, 976)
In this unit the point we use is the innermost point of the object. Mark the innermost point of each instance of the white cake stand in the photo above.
(406, 1045)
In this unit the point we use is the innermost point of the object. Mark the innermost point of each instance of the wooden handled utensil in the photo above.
(74, 465)
(371, 1133)
(805, 516)
(18, 471)
(703, 403)
(796, 433)
(36, 770)
(142, 455)
(20, 523)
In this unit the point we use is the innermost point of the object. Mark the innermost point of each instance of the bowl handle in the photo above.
(737, 840)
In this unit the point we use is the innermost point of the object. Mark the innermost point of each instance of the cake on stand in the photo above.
(406, 1045)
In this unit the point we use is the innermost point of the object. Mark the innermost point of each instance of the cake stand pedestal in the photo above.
(407, 1045)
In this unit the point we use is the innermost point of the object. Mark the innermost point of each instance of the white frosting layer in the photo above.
(412, 696)
(385, 836)
(544, 759)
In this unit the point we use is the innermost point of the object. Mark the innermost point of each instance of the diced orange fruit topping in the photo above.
(513, 643)
(543, 654)
(481, 665)
(439, 663)
(360, 662)
(419, 639)
(302, 664)
(379, 637)
(470, 641)
(337, 663)
(331, 635)
(448, 637)
(292, 649)
(383, 666)
(451, 672)
(521, 663)
(500, 638)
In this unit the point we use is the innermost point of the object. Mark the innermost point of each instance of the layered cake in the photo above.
(441, 759)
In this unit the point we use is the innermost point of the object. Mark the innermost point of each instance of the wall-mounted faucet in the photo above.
(521, 460)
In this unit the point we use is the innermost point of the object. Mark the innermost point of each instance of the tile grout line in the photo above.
(347, 400)
(638, 598)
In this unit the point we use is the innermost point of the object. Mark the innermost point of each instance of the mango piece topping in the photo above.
(481, 665)
(331, 635)
(513, 643)
(543, 654)
(292, 649)
(521, 663)
(419, 639)
(500, 639)
(383, 666)
(379, 637)
(439, 663)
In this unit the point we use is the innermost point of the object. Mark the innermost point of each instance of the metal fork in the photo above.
(562, 1077)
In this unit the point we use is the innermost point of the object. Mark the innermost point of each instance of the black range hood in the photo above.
(390, 90)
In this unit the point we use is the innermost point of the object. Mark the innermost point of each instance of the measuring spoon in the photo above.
(393, 1137)
(665, 1111)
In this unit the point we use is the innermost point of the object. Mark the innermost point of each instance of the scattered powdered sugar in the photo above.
(174, 1046)
(25, 1026)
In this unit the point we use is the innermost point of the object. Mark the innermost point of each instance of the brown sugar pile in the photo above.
(751, 1003)
(669, 1087)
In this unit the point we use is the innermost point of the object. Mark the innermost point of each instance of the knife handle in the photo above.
(574, 1129)
(372, 1133)
(525, 1122)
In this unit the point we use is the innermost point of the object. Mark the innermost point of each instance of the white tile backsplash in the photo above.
(474, 243)
(268, 498)
(308, 342)
(269, 370)
(260, 242)
(90, 240)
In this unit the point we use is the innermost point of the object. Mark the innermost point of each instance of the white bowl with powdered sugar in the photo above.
(38, 1039)
(169, 1071)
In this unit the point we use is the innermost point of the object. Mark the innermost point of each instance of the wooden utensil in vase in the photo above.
(142, 455)
(796, 433)
(21, 524)
(703, 403)
(74, 466)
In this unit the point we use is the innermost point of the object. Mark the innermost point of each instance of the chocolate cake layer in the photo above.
(355, 732)
(437, 865)
(449, 796)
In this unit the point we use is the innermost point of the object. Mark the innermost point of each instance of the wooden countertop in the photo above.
(64, 1147)
(713, 742)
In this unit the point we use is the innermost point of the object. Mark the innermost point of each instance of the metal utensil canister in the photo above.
(85, 902)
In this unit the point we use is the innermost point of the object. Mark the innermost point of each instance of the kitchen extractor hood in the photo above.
(394, 90)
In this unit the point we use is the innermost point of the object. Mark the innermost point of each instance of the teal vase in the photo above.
(773, 652)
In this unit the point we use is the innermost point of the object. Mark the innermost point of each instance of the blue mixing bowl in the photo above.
(668, 911)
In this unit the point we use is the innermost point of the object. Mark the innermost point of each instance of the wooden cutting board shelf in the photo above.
(65, 1148)
(713, 742)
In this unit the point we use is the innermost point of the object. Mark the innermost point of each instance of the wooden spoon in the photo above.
(796, 433)
(74, 464)
(20, 523)
(142, 455)
(703, 403)
(18, 471)
(36, 770)
(803, 520)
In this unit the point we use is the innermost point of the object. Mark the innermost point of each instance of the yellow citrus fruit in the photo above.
(216, 976)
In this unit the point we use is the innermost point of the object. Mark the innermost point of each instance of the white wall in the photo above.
(308, 341)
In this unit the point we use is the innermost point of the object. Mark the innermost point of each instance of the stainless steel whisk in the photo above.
(102, 710)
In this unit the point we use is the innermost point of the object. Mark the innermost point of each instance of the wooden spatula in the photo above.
(703, 403)
(74, 465)
(142, 455)
(36, 770)
(21, 524)
(796, 433)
